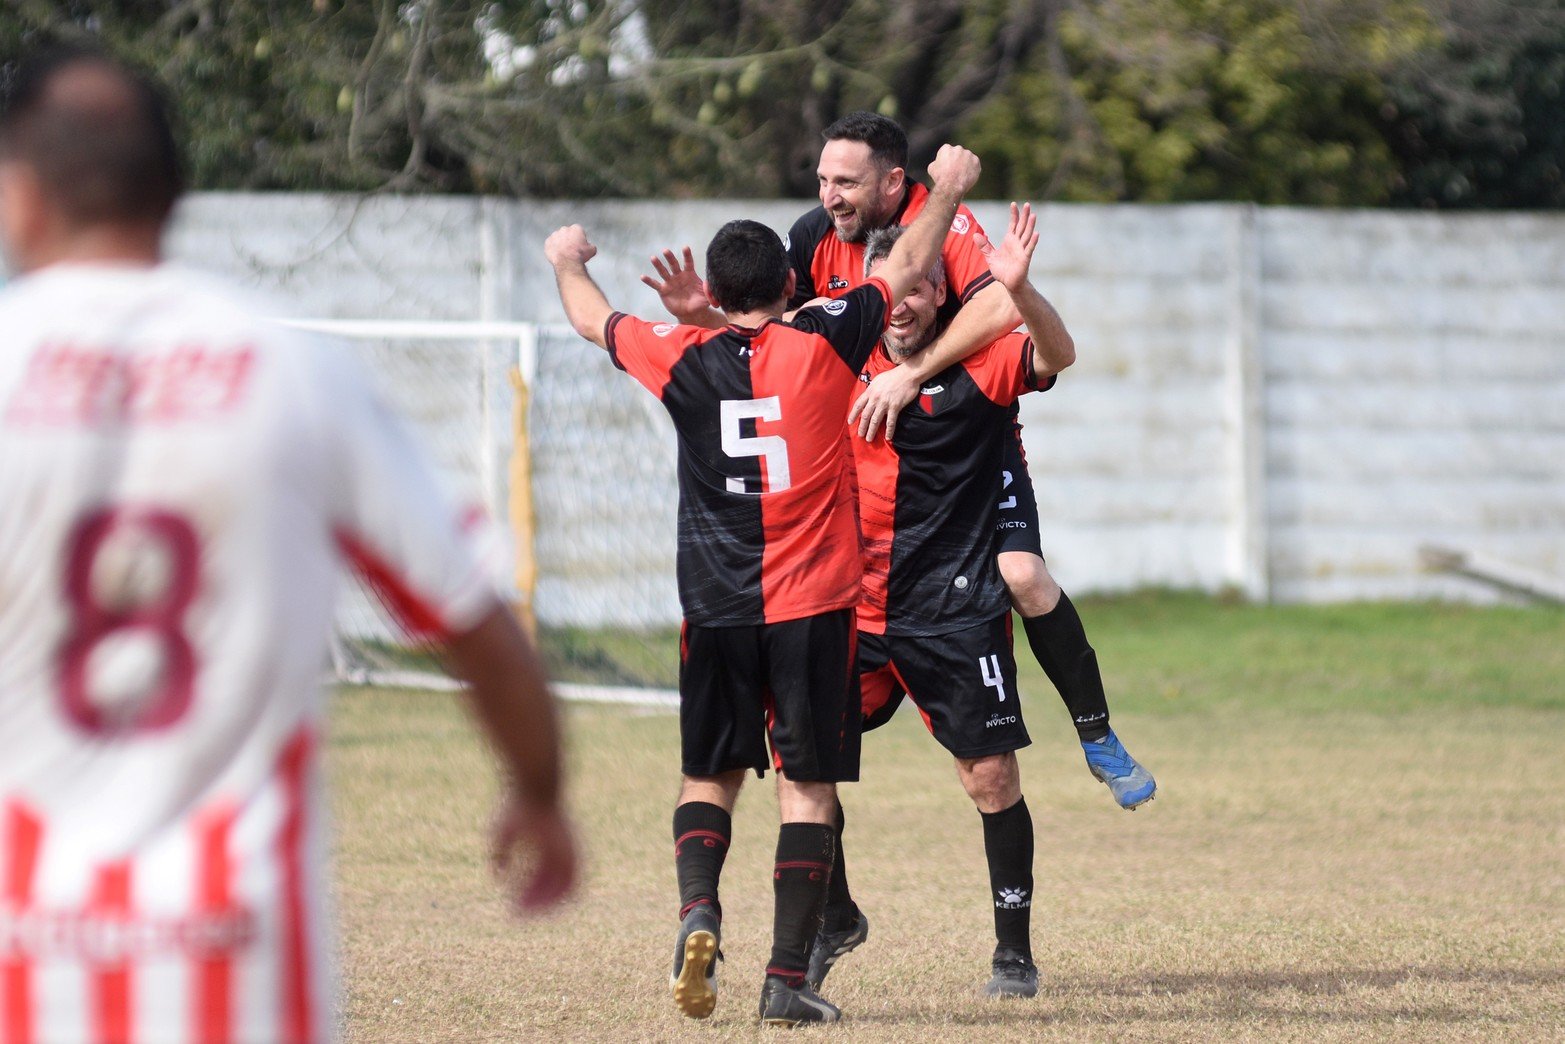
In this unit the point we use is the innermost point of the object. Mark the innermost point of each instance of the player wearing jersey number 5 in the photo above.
(864, 187)
(768, 565)
(179, 481)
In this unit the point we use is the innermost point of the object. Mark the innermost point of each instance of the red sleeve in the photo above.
(1004, 371)
(966, 270)
(647, 351)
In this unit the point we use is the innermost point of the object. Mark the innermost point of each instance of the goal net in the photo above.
(575, 464)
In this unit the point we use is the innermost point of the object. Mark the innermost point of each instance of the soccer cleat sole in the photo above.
(1137, 804)
(695, 993)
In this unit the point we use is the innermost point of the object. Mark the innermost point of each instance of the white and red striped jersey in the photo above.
(179, 480)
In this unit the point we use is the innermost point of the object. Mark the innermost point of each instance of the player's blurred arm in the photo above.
(1052, 347)
(513, 705)
(954, 171)
(682, 291)
(587, 309)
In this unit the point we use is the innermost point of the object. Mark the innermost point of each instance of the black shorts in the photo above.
(794, 683)
(963, 683)
(1016, 529)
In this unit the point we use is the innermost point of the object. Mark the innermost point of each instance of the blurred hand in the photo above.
(678, 286)
(534, 853)
(882, 401)
(568, 244)
(955, 169)
(1008, 262)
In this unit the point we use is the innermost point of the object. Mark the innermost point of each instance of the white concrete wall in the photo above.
(1285, 401)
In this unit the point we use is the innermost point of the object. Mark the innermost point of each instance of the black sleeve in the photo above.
(802, 240)
(852, 323)
(1030, 372)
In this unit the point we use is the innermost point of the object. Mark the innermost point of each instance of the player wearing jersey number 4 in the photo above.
(769, 566)
(864, 187)
(935, 618)
(180, 482)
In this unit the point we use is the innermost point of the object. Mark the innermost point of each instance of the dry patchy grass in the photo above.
(1310, 871)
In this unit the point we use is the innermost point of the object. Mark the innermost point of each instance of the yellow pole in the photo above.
(524, 519)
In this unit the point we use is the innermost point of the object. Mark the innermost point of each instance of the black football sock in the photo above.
(1008, 847)
(840, 908)
(701, 836)
(1059, 641)
(799, 883)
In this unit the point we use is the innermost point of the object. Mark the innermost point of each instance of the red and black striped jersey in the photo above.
(928, 497)
(768, 529)
(825, 266)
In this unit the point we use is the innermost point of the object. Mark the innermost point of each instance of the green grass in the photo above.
(1359, 836)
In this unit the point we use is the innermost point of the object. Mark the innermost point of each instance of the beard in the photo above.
(900, 347)
(861, 225)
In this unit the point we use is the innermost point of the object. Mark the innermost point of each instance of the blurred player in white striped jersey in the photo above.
(179, 480)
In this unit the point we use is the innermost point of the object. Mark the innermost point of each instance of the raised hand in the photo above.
(678, 286)
(1008, 262)
(569, 244)
(955, 169)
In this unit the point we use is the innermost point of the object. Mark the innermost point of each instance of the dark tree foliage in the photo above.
(1479, 121)
(1328, 102)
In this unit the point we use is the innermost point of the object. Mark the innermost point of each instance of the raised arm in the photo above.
(1052, 347)
(683, 292)
(954, 171)
(513, 705)
(587, 309)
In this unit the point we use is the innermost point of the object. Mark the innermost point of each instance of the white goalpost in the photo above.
(571, 465)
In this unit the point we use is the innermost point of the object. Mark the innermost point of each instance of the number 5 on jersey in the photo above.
(773, 451)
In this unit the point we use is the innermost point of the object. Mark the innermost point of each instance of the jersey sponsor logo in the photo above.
(996, 721)
(71, 384)
(835, 307)
(836, 282)
(864, 378)
(961, 225)
(932, 389)
(110, 938)
(663, 329)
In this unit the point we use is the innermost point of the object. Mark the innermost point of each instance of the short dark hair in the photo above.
(104, 151)
(878, 244)
(886, 140)
(746, 267)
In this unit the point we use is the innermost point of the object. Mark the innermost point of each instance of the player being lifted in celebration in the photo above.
(179, 480)
(934, 623)
(864, 187)
(769, 564)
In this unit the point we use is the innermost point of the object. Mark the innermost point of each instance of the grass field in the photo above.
(1360, 835)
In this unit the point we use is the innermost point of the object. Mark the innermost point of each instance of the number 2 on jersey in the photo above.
(134, 542)
(772, 450)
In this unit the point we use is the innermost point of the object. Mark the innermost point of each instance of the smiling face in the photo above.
(858, 195)
(912, 324)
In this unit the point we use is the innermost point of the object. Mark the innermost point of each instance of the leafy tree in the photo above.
(1479, 121)
(1327, 102)
(1264, 100)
